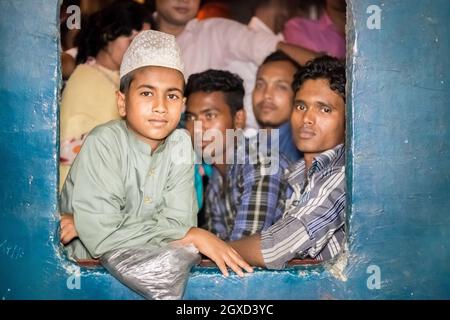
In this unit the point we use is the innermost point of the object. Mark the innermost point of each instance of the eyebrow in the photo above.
(209, 109)
(154, 88)
(315, 102)
(175, 89)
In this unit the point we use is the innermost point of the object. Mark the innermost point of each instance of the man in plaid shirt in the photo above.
(245, 187)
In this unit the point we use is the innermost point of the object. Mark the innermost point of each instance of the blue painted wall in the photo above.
(398, 165)
(400, 149)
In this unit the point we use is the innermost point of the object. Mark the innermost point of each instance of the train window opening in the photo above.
(67, 64)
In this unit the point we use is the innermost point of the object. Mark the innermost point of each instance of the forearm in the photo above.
(215, 249)
(299, 54)
(250, 249)
(100, 238)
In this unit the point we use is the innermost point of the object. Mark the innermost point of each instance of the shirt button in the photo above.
(151, 172)
(148, 200)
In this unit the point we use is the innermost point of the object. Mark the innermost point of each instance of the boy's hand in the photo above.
(68, 231)
(217, 250)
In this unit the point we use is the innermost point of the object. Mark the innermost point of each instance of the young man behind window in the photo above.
(313, 222)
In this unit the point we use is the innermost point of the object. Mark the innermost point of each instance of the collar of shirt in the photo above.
(295, 174)
(216, 177)
(256, 24)
(140, 145)
(215, 186)
(190, 26)
(111, 75)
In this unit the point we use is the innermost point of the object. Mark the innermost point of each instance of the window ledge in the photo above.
(93, 263)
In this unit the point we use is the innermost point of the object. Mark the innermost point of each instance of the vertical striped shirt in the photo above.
(314, 214)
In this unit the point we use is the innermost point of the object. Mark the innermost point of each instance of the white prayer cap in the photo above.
(151, 48)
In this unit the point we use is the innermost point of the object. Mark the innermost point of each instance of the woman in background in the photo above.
(88, 98)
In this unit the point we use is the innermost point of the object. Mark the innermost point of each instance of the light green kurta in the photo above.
(123, 195)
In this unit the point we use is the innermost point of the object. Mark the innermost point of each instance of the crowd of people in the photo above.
(178, 127)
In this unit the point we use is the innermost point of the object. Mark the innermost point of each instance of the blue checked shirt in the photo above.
(314, 215)
(245, 201)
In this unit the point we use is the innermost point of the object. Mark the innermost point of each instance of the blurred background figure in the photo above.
(89, 7)
(89, 97)
(326, 34)
(268, 16)
(273, 99)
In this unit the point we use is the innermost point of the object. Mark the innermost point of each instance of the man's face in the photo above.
(153, 103)
(211, 109)
(272, 95)
(318, 118)
(177, 12)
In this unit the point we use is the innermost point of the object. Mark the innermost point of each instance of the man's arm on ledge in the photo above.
(250, 249)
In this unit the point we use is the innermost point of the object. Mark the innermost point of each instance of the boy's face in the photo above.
(318, 118)
(212, 110)
(153, 103)
(177, 12)
(272, 95)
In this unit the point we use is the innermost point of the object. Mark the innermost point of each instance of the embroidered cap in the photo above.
(151, 48)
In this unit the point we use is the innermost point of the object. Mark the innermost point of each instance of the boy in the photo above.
(243, 191)
(127, 187)
(314, 216)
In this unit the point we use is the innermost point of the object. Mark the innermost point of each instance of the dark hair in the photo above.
(279, 56)
(324, 67)
(118, 19)
(125, 82)
(211, 80)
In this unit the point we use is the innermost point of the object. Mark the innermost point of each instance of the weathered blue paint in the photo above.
(400, 152)
(398, 165)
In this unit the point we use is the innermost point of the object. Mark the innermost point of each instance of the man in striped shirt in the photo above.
(313, 223)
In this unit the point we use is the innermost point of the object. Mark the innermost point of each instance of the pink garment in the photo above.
(317, 35)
